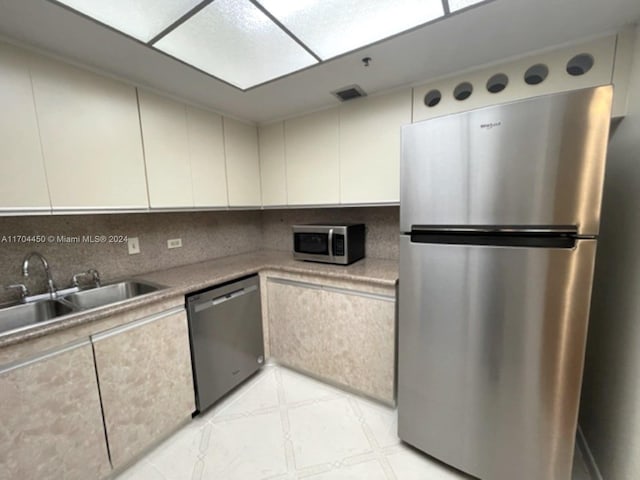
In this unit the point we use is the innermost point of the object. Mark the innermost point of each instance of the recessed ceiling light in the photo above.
(141, 19)
(455, 5)
(235, 41)
(333, 27)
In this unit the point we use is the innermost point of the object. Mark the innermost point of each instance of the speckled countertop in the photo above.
(190, 278)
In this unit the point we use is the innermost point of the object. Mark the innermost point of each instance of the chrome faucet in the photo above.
(25, 271)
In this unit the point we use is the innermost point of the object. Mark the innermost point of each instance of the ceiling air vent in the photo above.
(349, 93)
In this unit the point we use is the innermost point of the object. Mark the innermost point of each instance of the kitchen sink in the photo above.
(29, 314)
(116, 292)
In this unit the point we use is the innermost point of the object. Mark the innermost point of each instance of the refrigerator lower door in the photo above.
(491, 352)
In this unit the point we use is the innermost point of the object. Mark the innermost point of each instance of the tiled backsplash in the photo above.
(204, 235)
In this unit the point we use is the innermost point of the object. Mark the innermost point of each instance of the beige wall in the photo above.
(610, 410)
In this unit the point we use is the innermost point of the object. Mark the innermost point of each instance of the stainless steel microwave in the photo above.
(341, 244)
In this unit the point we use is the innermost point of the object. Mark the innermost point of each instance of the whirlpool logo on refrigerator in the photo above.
(489, 126)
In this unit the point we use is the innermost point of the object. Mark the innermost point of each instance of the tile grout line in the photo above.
(289, 452)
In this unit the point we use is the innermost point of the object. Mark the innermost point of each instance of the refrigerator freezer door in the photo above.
(537, 162)
(490, 355)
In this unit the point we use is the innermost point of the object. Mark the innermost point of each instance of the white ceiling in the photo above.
(489, 33)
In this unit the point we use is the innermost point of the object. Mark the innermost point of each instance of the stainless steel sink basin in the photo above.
(116, 292)
(28, 314)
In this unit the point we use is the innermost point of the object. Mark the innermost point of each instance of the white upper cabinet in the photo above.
(166, 151)
(23, 183)
(243, 164)
(90, 135)
(311, 149)
(206, 157)
(184, 154)
(272, 164)
(370, 147)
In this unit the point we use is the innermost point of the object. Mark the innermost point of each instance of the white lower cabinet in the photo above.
(342, 335)
(51, 420)
(146, 383)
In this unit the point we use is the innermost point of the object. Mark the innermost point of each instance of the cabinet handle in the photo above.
(135, 324)
(44, 355)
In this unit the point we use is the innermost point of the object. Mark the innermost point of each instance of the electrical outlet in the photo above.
(174, 243)
(134, 245)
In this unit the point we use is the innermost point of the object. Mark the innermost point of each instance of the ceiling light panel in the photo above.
(141, 19)
(236, 42)
(332, 27)
(455, 5)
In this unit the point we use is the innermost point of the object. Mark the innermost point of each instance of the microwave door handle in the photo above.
(331, 243)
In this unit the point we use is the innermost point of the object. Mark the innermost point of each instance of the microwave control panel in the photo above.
(338, 245)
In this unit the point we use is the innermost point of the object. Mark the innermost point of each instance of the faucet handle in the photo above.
(93, 273)
(22, 289)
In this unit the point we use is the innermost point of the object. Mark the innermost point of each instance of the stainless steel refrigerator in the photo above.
(499, 219)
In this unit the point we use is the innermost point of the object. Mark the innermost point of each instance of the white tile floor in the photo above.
(282, 425)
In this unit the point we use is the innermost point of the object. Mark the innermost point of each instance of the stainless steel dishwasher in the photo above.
(225, 328)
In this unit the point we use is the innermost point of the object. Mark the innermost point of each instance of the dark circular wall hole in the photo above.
(580, 64)
(463, 91)
(497, 83)
(536, 74)
(432, 98)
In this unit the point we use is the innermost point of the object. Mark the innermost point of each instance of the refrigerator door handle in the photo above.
(495, 239)
(497, 229)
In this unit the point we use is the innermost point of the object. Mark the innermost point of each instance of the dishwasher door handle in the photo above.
(224, 298)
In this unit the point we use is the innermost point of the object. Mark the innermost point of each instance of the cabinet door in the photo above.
(51, 421)
(344, 336)
(23, 183)
(91, 142)
(166, 151)
(243, 164)
(370, 147)
(146, 384)
(311, 148)
(272, 164)
(206, 156)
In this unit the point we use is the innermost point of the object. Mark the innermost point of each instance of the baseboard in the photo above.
(590, 461)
